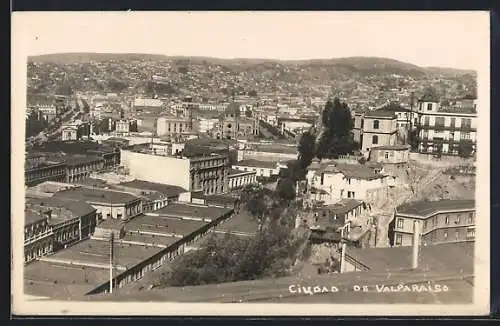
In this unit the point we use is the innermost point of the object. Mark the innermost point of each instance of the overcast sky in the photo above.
(446, 39)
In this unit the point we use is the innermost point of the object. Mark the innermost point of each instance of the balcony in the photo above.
(439, 127)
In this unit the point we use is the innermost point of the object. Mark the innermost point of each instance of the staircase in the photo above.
(103, 234)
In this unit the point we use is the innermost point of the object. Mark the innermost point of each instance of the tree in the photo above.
(337, 138)
(306, 149)
(286, 189)
(465, 148)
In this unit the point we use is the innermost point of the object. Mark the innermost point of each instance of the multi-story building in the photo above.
(44, 171)
(442, 131)
(38, 240)
(168, 125)
(78, 168)
(207, 172)
(378, 128)
(333, 181)
(238, 179)
(264, 169)
(108, 203)
(439, 221)
(70, 221)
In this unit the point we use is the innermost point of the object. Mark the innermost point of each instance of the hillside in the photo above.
(354, 64)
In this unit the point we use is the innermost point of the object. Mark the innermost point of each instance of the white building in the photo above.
(444, 131)
(333, 181)
(240, 179)
(261, 168)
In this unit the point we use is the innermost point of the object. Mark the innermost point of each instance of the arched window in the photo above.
(375, 139)
(375, 124)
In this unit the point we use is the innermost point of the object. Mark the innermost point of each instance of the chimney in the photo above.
(416, 244)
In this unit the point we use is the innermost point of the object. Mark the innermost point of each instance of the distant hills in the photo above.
(363, 64)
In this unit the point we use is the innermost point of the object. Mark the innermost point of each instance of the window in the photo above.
(349, 180)
(426, 121)
(470, 218)
(386, 155)
(465, 135)
(376, 124)
(446, 220)
(429, 106)
(375, 140)
(466, 123)
(445, 235)
(400, 223)
(453, 122)
(458, 219)
(350, 194)
(399, 239)
(322, 178)
(434, 221)
(457, 234)
(471, 233)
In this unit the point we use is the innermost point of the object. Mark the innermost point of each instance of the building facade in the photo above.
(79, 168)
(440, 221)
(45, 171)
(261, 168)
(239, 179)
(378, 128)
(396, 154)
(168, 125)
(38, 240)
(207, 173)
(444, 131)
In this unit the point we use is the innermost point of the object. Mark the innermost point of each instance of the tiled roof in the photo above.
(344, 206)
(427, 208)
(392, 147)
(76, 207)
(380, 114)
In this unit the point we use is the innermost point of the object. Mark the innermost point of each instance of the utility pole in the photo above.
(416, 244)
(111, 253)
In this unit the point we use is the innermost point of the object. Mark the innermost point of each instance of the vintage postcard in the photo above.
(281, 163)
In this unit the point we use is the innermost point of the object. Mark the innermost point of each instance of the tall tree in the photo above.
(337, 138)
(306, 148)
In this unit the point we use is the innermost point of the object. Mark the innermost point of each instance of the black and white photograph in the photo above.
(256, 163)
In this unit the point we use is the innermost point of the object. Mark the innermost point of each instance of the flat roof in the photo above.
(31, 217)
(77, 208)
(233, 172)
(150, 239)
(192, 210)
(426, 208)
(392, 147)
(96, 195)
(256, 164)
(169, 190)
(97, 252)
(381, 114)
(163, 225)
(457, 257)
(216, 199)
(60, 281)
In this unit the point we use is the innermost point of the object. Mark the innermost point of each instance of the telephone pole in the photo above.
(111, 253)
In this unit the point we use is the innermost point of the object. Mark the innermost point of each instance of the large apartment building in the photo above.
(207, 172)
(441, 221)
(443, 131)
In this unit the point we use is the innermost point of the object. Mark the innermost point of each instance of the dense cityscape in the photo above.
(146, 175)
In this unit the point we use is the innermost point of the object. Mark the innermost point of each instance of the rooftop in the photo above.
(191, 210)
(31, 217)
(235, 171)
(241, 222)
(95, 195)
(458, 257)
(61, 281)
(392, 147)
(168, 190)
(256, 164)
(222, 200)
(97, 252)
(427, 208)
(76, 208)
(150, 239)
(358, 171)
(344, 206)
(381, 114)
(163, 225)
